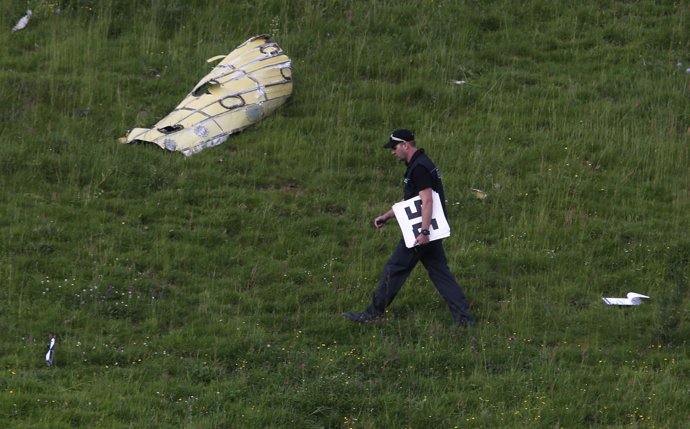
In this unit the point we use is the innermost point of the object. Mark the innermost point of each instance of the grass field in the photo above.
(206, 292)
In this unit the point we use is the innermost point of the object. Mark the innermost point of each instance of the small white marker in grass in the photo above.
(51, 351)
(23, 22)
(631, 298)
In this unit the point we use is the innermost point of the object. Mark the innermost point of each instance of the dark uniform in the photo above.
(421, 174)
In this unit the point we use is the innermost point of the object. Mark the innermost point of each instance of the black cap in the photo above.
(399, 136)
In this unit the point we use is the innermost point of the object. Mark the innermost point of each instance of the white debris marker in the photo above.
(631, 298)
(51, 352)
(23, 22)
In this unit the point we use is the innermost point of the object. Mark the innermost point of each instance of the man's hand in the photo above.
(380, 221)
(421, 240)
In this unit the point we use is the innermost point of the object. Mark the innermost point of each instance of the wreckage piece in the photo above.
(23, 22)
(632, 298)
(246, 86)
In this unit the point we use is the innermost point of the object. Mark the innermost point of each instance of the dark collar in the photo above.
(416, 155)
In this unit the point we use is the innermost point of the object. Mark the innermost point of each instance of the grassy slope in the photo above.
(206, 292)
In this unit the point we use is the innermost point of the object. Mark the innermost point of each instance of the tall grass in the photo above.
(207, 291)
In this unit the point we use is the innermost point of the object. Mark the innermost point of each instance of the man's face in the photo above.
(399, 151)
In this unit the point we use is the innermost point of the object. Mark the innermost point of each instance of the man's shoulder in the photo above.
(422, 158)
(422, 173)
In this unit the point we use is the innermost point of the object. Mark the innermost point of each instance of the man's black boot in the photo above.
(363, 317)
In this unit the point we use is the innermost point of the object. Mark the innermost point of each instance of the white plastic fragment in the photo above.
(631, 298)
(50, 356)
(23, 22)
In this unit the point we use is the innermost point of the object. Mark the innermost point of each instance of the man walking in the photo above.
(421, 178)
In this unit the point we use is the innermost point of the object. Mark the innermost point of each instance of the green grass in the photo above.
(206, 292)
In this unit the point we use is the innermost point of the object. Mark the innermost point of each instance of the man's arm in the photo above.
(381, 220)
(427, 211)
